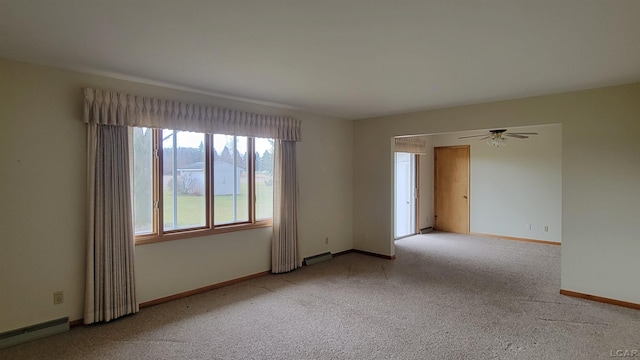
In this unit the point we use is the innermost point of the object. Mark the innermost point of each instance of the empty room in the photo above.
(319, 179)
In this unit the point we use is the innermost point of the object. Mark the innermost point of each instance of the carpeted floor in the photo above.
(446, 296)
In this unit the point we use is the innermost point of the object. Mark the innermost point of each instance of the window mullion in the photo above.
(174, 173)
(157, 184)
(251, 197)
(209, 191)
(235, 176)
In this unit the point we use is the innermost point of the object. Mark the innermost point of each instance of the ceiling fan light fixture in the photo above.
(497, 140)
(498, 137)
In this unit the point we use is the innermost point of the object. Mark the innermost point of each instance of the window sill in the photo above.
(187, 234)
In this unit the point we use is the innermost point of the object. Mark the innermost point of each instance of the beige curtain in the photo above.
(103, 107)
(284, 245)
(412, 145)
(110, 286)
(112, 108)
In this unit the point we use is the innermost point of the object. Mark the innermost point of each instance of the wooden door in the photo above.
(452, 189)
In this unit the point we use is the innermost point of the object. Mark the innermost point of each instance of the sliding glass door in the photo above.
(405, 194)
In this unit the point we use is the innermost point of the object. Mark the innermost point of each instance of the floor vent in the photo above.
(33, 332)
(317, 258)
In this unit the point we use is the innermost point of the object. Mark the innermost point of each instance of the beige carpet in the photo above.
(445, 297)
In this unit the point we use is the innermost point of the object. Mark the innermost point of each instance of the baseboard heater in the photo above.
(33, 332)
(426, 230)
(317, 258)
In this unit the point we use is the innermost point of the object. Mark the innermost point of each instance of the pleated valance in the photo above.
(112, 108)
(412, 145)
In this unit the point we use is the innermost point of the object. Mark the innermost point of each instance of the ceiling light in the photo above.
(497, 140)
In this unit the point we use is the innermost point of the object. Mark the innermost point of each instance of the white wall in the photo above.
(43, 197)
(511, 186)
(600, 177)
(426, 178)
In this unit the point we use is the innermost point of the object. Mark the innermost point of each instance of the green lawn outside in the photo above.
(192, 208)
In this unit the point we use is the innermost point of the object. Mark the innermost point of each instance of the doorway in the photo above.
(451, 188)
(406, 191)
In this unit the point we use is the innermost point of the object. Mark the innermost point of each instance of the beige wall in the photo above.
(426, 178)
(42, 199)
(345, 190)
(512, 186)
(600, 177)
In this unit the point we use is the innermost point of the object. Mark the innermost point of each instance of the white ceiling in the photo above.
(346, 58)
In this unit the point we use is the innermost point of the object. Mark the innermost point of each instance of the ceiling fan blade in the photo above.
(524, 133)
(472, 136)
(484, 138)
(517, 136)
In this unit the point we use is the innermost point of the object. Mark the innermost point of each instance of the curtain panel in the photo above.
(110, 290)
(112, 108)
(284, 244)
(411, 145)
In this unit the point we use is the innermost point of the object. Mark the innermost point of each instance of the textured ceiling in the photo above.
(346, 58)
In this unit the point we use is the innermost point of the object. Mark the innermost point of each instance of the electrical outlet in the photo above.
(527, 227)
(326, 240)
(58, 298)
(546, 228)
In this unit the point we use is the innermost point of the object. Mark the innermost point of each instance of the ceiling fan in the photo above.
(499, 137)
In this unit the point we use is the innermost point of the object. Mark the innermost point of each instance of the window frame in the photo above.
(158, 233)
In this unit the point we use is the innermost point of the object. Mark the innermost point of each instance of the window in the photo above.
(191, 184)
(264, 178)
(230, 179)
(183, 182)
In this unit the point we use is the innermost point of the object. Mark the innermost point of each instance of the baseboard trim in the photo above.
(518, 239)
(342, 253)
(185, 294)
(76, 323)
(600, 299)
(202, 289)
(387, 257)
